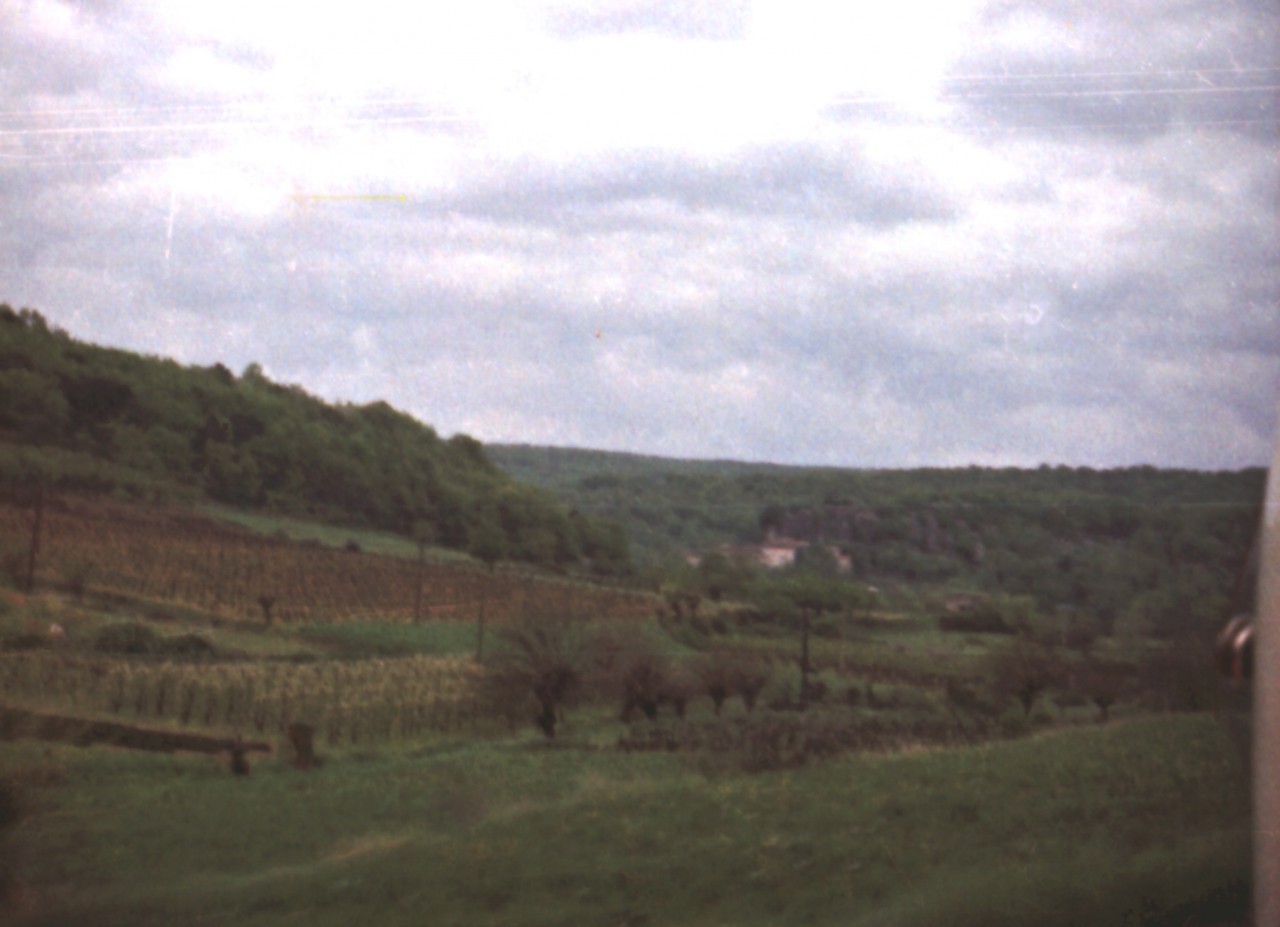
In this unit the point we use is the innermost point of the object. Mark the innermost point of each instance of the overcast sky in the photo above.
(863, 234)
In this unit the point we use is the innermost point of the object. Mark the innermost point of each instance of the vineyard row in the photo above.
(189, 561)
(358, 702)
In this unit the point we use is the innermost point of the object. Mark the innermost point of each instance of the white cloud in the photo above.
(801, 233)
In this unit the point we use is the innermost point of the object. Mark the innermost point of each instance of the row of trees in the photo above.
(540, 668)
(543, 665)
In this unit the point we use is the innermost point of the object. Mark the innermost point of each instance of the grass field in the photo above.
(296, 529)
(1124, 824)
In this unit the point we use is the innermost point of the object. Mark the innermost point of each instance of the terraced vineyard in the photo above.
(175, 556)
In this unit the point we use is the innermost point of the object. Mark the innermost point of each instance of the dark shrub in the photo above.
(979, 620)
(1081, 639)
(815, 691)
(1070, 699)
(10, 812)
(827, 628)
(9, 805)
(187, 645)
(26, 641)
(772, 741)
(129, 638)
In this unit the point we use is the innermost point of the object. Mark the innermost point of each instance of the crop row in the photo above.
(346, 702)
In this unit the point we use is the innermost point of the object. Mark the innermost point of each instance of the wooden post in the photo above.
(417, 595)
(36, 523)
(804, 656)
(302, 740)
(239, 761)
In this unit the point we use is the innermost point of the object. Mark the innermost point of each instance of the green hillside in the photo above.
(81, 417)
(666, 505)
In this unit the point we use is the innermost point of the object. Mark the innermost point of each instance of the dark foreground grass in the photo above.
(1090, 826)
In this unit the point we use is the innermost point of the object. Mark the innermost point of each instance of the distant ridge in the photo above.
(672, 508)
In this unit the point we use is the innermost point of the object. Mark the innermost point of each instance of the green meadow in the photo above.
(1136, 822)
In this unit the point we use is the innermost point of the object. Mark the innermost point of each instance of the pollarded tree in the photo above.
(1025, 671)
(715, 670)
(539, 661)
(749, 679)
(628, 664)
(1104, 683)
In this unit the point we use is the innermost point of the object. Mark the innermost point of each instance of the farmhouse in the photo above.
(773, 553)
(779, 552)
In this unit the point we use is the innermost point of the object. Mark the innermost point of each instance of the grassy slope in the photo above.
(370, 540)
(1069, 828)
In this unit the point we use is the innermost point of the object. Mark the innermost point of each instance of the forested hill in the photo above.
(669, 505)
(1093, 539)
(81, 417)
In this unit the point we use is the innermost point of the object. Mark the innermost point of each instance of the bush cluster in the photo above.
(784, 740)
(137, 639)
